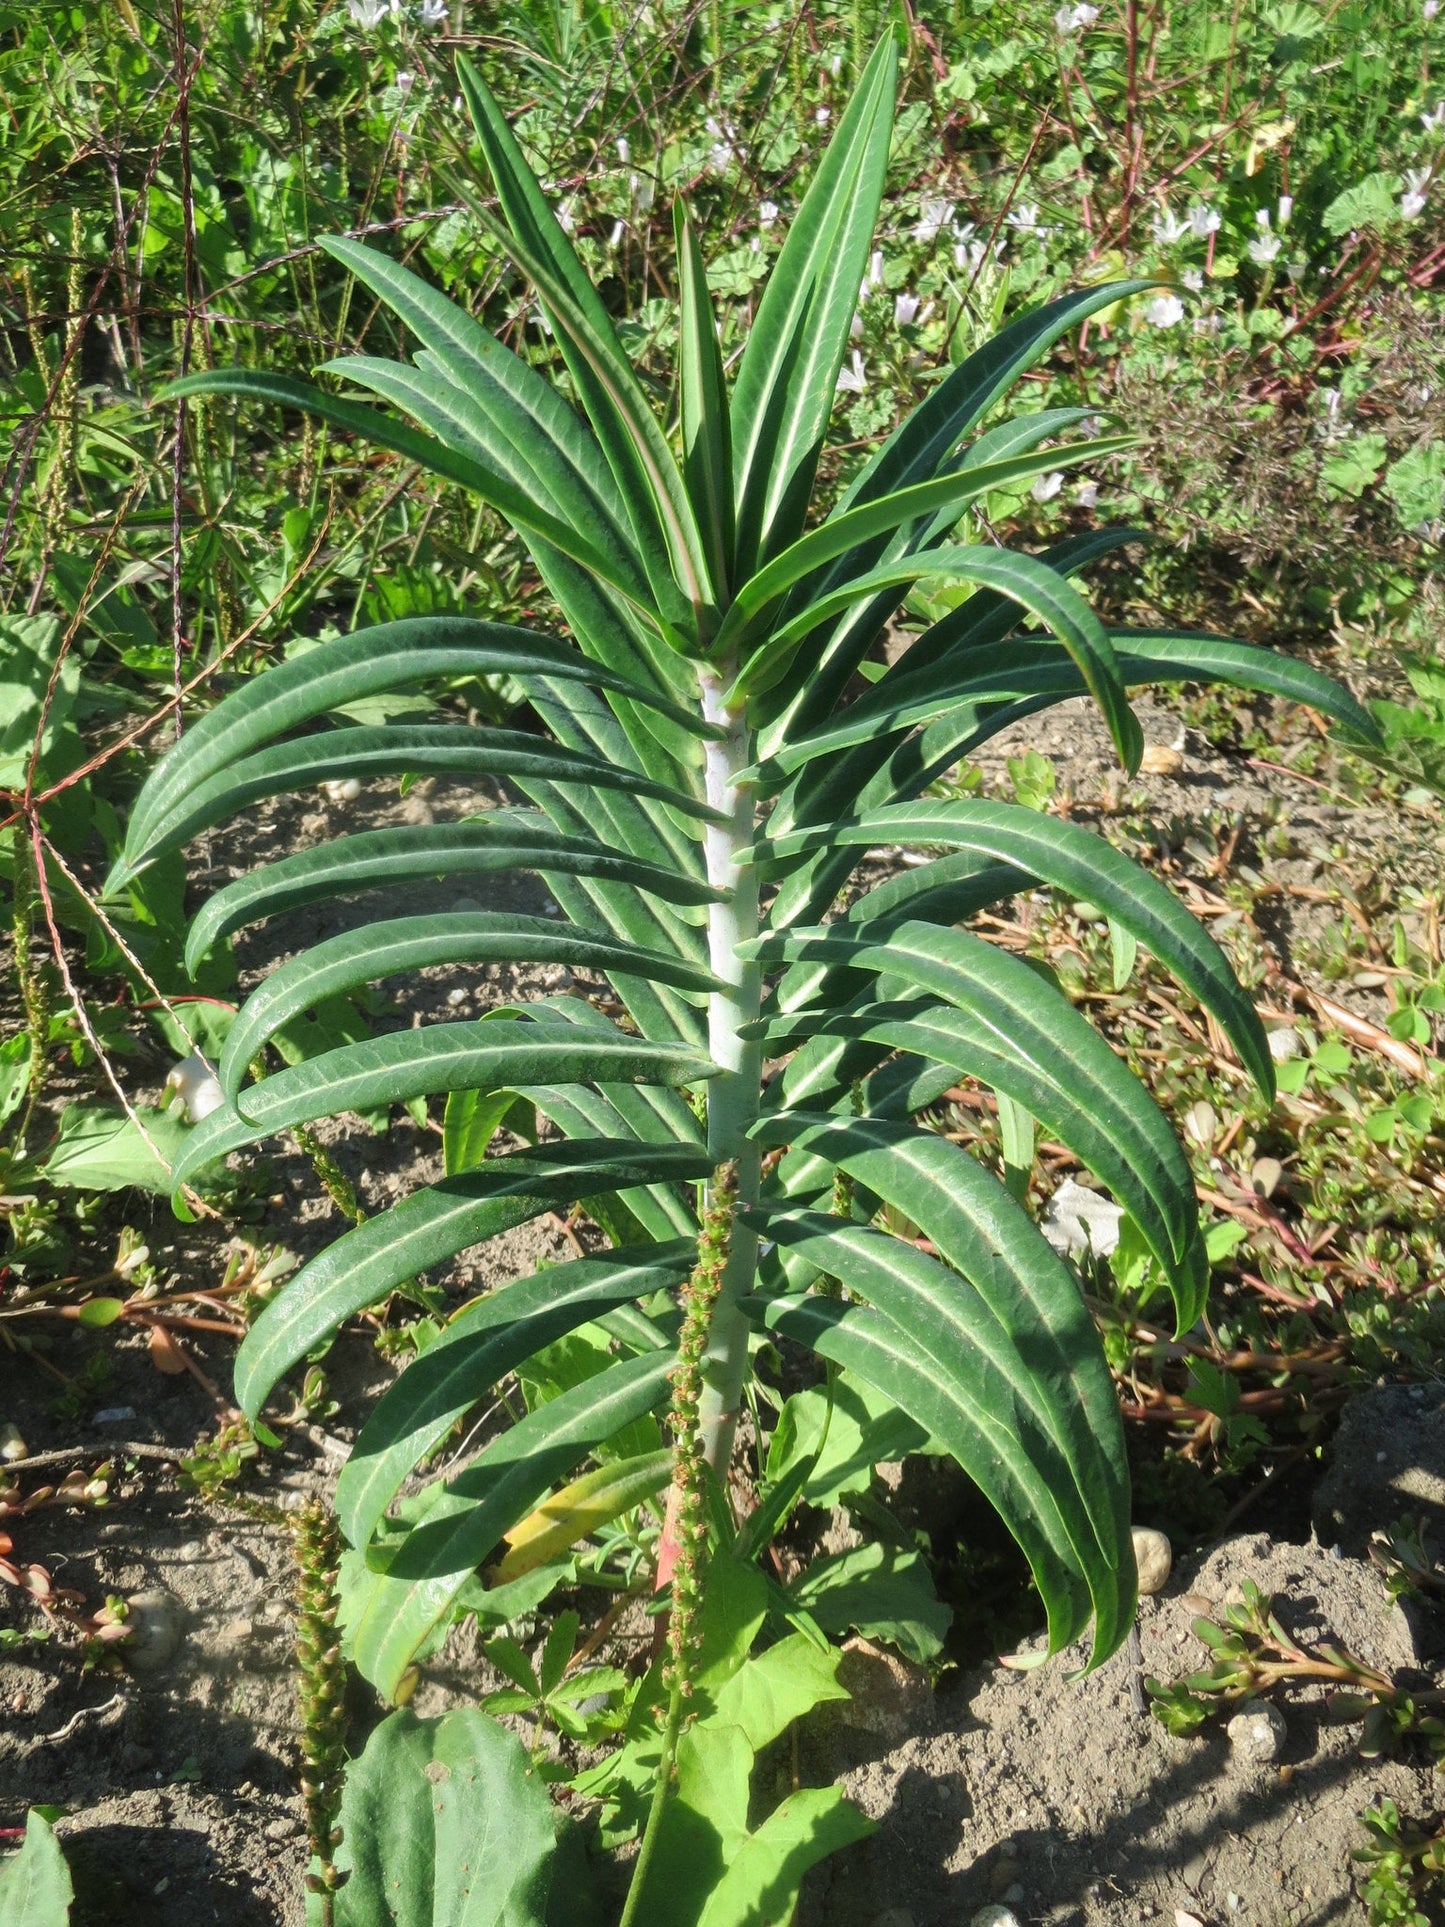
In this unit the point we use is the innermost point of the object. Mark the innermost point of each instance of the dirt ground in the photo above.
(1055, 1799)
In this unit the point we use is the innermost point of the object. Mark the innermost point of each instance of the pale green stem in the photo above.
(732, 1097)
(655, 1811)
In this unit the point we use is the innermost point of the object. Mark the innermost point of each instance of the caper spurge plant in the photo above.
(716, 768)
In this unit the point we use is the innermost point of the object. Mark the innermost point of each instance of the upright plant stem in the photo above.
(732, 1104)
(655, 1811)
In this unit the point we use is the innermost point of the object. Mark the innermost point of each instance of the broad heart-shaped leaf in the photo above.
(427, 749)
(783, 394)
(429, 1228)
(478, 1347)
(388, 1615)
(491, 844)
(35, 1889)
(763, 1879)
(403, 944)
(394, 655)
(444, 1823)
(1071, 859)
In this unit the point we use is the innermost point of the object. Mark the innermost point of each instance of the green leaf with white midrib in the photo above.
(580, 1113)
(1055, 1399)
(552, 439)
(1090, 869)
(1061, 1072)
(486, 1055)
(491, 845)
(944, 498)
(1042, 591)
(374, 750)
(393, 655)
(429, 1228)
(707, 463)
(479, 1346)
(619, 825)
(469, 1517)
(379, 950)
(783, 393)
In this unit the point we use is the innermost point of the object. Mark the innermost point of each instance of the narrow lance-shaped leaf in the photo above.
(707, 461)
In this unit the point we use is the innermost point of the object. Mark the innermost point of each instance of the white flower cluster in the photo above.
(1075, 19)
(1417, 186)
(369, 14)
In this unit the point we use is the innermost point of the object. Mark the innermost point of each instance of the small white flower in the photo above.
(935, 215)
(1285, 209)
(1164, 311)
(835, 65)
(1193, 279)
(1434, 121)
(193, 1084)
(875, 270)
(1087, 495)
(566, 219)
(970, 254)
(1332, 402)
(1264, 250)
(368, 13)
(1046, 487)
(1430, 9)
(433, 12)
(1261, 217)
(404, 83)
(619, 228)
(767, 213)
(1412, 201)
(1168, 228)
(644, 192)
(1204, 221)
(1074, 19)
(722, 152)
(855, 327)
(905, 309)
(823, 116)
(755, 245)
(852, 380)
(1024, 217)
(624, 149)
(1091, 427)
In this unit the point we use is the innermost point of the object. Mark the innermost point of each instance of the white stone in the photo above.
(1154, 1557)
(995, 1916)
(1257, 1735)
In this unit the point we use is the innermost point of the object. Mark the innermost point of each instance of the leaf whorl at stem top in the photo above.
(698, 1298)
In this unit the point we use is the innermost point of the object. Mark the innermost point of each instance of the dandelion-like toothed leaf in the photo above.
(429, 1228)
(462, 1521)
(486, 1055)
(493, 844)
(404, 944)
(481, 1345)
(1091, 870)
(783, 393)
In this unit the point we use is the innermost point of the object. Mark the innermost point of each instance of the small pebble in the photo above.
(12, 1446)
(157, 1622)
(1159, 759)
(1284, 1044)
(345, 790)
(457, 996)
(1258, 1734)
(115, 1415)
(1154, 1558)
(995, 1916)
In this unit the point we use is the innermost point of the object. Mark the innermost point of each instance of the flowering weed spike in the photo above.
(322, 1689)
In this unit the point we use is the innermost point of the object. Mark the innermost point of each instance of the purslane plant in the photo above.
(714, 773)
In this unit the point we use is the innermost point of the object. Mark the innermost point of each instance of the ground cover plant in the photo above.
(257, 531)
